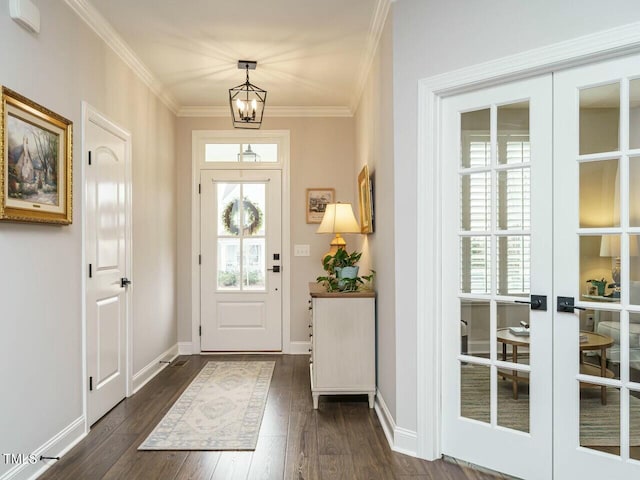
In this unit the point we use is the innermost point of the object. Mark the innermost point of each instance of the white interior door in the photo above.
(241, 286)
(597, 233)
(496, 238)
(107, 253)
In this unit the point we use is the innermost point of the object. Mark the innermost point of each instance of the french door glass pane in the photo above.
(475, 140)
(634, 353)
(475, 392)
(634, 424)
(514, 199)
(634, 269)
(600, 194)
(475, 316)
(600, 119)
(600, 424)
(476, 264)
(476, 201)
(600, 268)
(514, 261)
(634, 191)
(513, 409)
(513, 133)
(634, 113)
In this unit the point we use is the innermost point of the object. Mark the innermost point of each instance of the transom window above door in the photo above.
(241, 152)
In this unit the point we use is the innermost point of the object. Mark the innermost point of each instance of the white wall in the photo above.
(322, 155)
(374, 147)
(432, 37)
(40, 266)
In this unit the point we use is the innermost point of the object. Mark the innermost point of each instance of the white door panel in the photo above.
(596, 232)
(241, 287)
(496, 238)
(106, 252)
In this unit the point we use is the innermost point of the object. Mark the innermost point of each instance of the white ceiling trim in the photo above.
(268, 112)
(105, 31)
(375, 32)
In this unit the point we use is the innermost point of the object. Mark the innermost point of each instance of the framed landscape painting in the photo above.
(317, 200)
(36, 164)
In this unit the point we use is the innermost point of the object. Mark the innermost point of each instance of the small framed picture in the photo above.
(35, 168)
(365, 198)
(317, 200)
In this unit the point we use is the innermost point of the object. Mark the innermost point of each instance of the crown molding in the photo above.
(105, 31)
(375, 32)
(218, 111)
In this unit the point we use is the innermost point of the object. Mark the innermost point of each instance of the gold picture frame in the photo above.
(364, 197)
(36, 164)
(317, 200)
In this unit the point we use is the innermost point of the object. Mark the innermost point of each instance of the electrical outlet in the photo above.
(589, 322)
(301, 251)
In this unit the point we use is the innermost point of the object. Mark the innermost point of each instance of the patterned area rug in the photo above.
(220, 410)
(599, 424)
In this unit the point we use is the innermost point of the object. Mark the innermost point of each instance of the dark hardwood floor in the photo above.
(341, 440)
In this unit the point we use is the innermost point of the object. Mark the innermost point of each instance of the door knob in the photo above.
(124, 281)
(537, 302)
(566, 304)
(275, 269)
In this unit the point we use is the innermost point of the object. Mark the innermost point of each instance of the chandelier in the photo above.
(247, 100)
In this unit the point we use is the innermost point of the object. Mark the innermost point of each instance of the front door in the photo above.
(597, 265)
(107, 252)
(241, 287)
(496, 237)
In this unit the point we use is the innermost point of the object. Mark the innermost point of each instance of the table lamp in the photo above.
(338, 218)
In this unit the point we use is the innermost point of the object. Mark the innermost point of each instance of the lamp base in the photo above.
(337, 243)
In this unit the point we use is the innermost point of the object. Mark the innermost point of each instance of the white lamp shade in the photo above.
(338, 218)
(610, 246)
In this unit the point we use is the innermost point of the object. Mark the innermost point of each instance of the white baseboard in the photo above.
(299, 348)
(57, 446)
(185, 348)
(141, 378)
(400, 439)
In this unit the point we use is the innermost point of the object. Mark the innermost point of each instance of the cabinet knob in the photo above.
(310, 350)
(310, 335)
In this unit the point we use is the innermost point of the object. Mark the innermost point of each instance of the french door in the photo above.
(496, 229)
(241, 286)
(544, 207)
(596, 239)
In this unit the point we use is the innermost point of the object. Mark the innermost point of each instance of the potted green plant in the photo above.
(342, 272)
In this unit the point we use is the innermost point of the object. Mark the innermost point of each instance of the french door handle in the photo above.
(567, 305)
(537, 302)
(124, 282)
(275, 269)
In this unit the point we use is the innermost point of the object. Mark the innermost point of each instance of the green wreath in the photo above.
(230, 217)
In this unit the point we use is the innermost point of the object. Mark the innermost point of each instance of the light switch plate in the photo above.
(301, 251)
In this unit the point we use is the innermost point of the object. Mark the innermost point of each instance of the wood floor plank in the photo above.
(233, 466)
(198, 466)
(302, 447)
(336, 467)
(275, 420)
(147, 465)
(267, 462)
(331, 430)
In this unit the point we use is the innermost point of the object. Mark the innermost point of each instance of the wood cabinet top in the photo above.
(316, 290)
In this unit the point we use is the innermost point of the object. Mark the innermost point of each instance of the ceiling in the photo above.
(311, 54)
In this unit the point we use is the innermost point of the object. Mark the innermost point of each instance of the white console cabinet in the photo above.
(343, 357)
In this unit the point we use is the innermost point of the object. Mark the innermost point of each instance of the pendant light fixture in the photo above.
(247, 100)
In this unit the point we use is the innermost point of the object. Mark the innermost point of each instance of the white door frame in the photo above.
(587, 49)
(92, 115)
(282, 137)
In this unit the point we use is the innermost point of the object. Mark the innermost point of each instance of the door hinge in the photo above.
(90, 384)
(199, 188)
(89, 157)
(90, 271)
(199, 259)
(200, 330)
